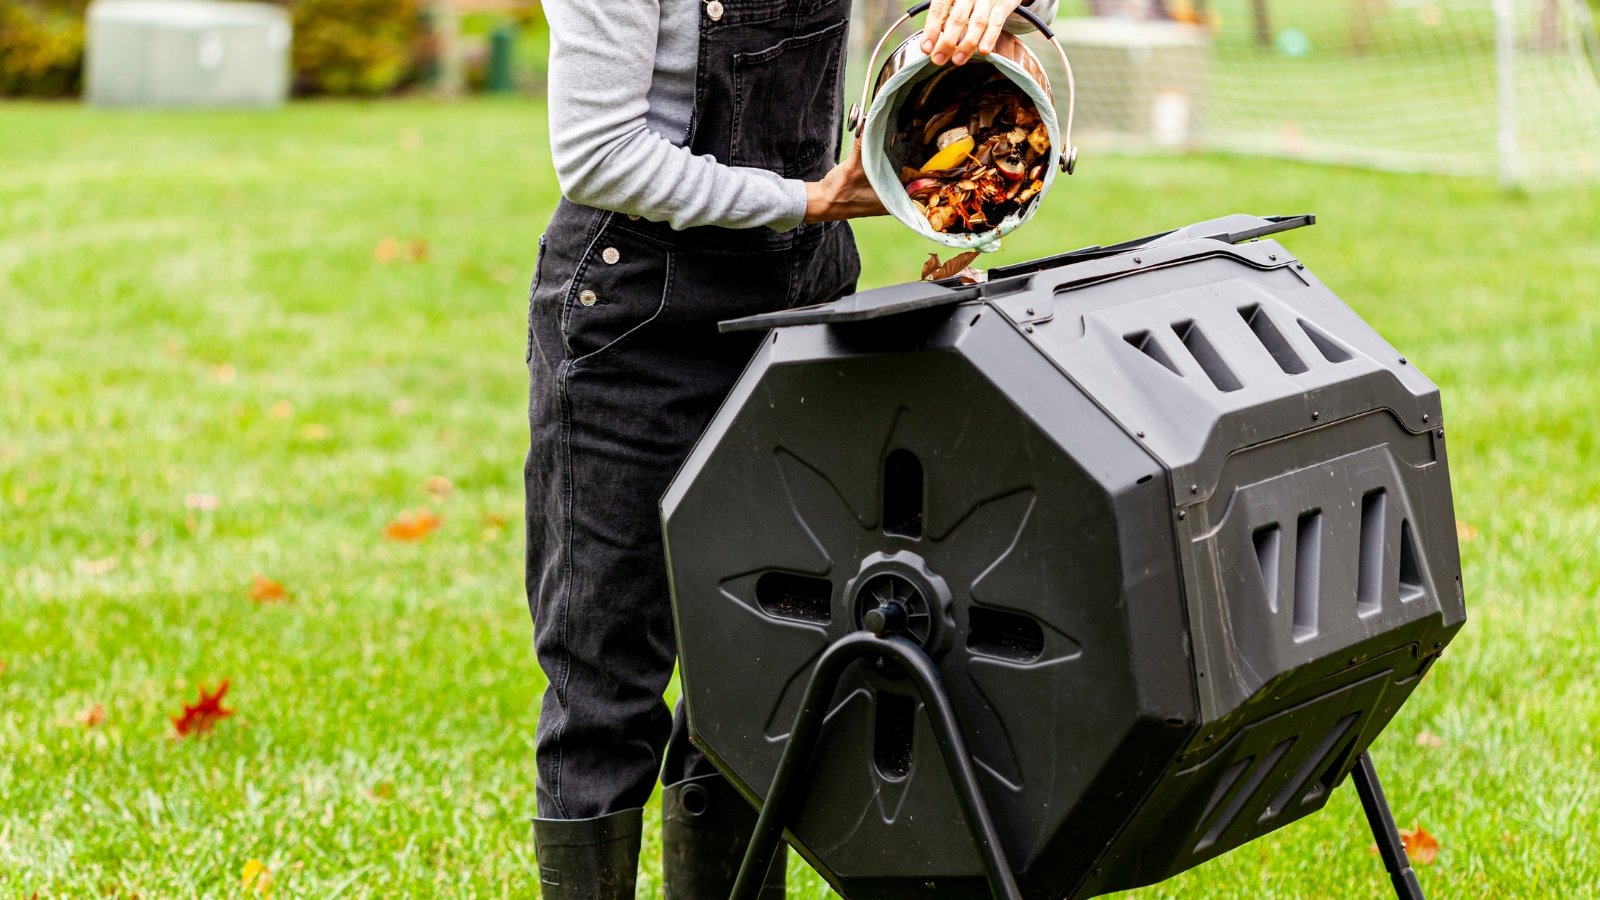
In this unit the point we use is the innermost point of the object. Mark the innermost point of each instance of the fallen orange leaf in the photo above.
(205, 713)
(92, 716)
(412, 525)
(265, 590)
(387, 250)
(1465, 531)
(439, 486)
(1426, 738)
(1422, 847)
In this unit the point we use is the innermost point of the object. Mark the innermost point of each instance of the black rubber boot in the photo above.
(705, 828)
(589, 859)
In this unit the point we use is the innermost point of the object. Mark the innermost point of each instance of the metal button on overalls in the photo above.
(714, 10)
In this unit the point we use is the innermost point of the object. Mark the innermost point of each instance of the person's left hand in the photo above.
(957, 29)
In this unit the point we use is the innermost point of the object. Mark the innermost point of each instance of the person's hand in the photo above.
(843, 193)
(958, 29)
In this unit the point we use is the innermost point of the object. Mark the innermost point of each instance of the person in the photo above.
(695, 144)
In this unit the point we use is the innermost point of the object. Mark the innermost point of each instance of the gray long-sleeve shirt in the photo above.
(622, 78)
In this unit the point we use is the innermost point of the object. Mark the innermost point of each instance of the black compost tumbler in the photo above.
(1067, 581)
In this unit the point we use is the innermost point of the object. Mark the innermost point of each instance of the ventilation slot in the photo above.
(902, 494)
(1410, 571)
(1267, 540)
(1207, 356)
(1272, 339)
(1145, 342)
(1229, 814)
(1307, 575)
(1303, 775)
(893, 725)
(1331, 350)
(1369, 577)
(1007, 635)
(798, 597)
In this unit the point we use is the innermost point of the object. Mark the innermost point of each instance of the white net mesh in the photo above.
(1473, 87)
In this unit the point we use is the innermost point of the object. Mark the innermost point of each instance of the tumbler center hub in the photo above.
(896, 594)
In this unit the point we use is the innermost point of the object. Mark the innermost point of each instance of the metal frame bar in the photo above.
(794, 768)
(1381, 820)
(795, 764)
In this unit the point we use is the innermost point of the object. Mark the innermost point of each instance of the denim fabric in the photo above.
(619, 391)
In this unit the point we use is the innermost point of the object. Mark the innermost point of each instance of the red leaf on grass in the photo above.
(93, 716)
(205, 713)
(412, 525)
(1422, 847)
(265, 590)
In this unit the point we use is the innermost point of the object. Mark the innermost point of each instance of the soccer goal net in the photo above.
(1473, 87)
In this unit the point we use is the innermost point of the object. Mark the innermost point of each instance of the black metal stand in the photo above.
(1381, 820)
(793, 767)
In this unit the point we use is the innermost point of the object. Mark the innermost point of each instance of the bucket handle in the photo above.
(858, 112)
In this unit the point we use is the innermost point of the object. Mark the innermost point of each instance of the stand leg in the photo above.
(790, 779)
(1381, 820)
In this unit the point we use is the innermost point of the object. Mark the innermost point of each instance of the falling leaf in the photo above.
(439, 486)
(281, 409)
(1464, 531)
(3, 666)
(1426, 738)
(93, 716)
(1421, 847)
(205, 713)
(412, 525)
(207, 502)
(265, 590)
(256, 877)
(315, 431)
(929, 266)
(949, 267)
(417, 251)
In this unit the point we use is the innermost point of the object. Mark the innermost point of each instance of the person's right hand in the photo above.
(843, 193)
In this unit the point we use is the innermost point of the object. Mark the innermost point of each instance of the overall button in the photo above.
(714, 10)
(610, 255)
(587, 298)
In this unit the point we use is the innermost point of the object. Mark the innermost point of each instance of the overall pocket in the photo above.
(533, 294)
(786, 104)
(620, 288)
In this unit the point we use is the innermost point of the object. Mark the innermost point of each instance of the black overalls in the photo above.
(626, 368)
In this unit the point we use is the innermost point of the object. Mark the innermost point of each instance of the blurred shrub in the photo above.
(354, 46)
(41, 47)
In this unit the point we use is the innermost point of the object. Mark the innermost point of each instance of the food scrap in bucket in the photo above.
(972, 147)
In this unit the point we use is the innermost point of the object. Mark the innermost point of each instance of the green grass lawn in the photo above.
(190, 305)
